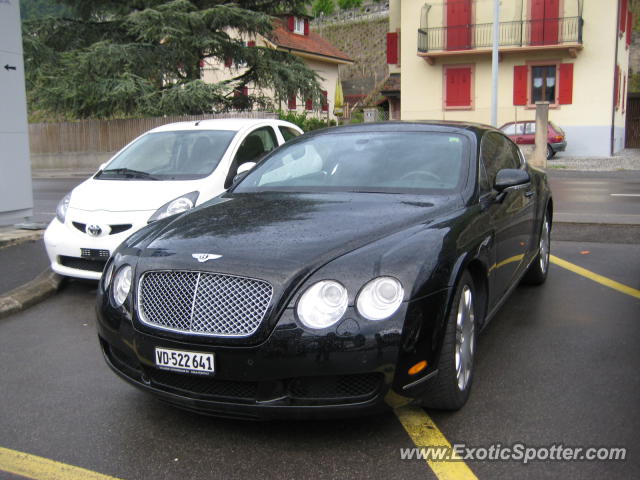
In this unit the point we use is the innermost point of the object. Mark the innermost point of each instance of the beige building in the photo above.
(572, 53)
(291, 34)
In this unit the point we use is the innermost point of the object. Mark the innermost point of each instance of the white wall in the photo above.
(16, 199)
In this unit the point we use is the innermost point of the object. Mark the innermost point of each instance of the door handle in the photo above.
(529, 193)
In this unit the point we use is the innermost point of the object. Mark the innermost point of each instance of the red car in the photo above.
(524, 133)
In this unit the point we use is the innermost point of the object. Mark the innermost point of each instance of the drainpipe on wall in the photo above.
(613, 103)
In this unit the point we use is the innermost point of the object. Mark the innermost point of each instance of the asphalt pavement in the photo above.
(557, 365)
(21, 263)
(596, 197)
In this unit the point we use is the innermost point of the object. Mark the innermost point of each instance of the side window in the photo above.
(510, 129)
(497, 153)
(516, 153)
(530, 128)
(483, 181)
(288, 133)
(255, 145)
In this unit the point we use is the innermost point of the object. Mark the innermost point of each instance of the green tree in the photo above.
(31, 9)
(346, 4)
(323, 7)
(118, 58)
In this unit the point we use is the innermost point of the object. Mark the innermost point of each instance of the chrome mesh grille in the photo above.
(203, 303)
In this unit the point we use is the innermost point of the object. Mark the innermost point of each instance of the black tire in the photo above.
(539, 268)
(445, 391)
(550, 152)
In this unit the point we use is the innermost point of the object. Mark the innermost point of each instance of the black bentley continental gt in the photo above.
(350, 270)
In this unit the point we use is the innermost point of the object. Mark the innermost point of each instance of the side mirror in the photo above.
(245, 167)
(102, 165)
(510, 177)
(243, 170)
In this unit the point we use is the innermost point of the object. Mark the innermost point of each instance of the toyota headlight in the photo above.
(63, 206)
(380, 298)
(323, 304)
(175, 206)
(121, 285)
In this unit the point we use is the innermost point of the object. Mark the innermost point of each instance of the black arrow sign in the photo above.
(9, 67)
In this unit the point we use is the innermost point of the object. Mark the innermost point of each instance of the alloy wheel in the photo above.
(465, 338)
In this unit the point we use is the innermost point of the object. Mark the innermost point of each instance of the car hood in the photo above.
(127, 195)
(282, 238)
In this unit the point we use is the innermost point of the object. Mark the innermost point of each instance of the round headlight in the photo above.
(380, 298)
(121, 285)
(63, 206)
(323, 304)
(175, 206)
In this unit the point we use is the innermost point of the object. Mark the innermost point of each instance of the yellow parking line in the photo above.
(425, 434)
(607, 282)
(39, 468)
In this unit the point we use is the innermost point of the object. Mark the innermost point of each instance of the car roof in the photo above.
(231, 124)
(402, 126)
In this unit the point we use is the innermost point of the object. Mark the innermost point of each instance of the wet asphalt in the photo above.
(21, 263)
(558, 364)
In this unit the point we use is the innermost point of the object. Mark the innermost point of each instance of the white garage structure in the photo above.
(16, 198)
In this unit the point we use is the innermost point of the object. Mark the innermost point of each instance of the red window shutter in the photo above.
(520, 82)
(292, 24)
(629, 28)
(308, 105)
(201, 63)
(325, 101)
(458, 29)
(292, 102)
(392, 48)
(565, 96)
(616, 86)
(306, 26)
(623, 15)
(251, 43)
(624, 93)
(245, 91)
(458, 87)
(228, 61)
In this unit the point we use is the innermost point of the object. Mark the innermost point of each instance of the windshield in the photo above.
(178, 155)
(386, 162)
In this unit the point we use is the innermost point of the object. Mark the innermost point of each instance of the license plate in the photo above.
(184, 361)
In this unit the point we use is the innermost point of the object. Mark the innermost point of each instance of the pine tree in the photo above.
(119, 58)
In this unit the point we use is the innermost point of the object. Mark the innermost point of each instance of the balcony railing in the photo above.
(525, 33)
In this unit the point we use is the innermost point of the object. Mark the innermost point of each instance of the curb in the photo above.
(18, 238)
(41, 287)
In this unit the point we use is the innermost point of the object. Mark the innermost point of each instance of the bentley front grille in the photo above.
(203, 303)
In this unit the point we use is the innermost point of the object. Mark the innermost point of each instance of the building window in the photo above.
(325, 101)
(292, 104)
(543, 84)
(298, 25)
(308, 104)
(458, 91)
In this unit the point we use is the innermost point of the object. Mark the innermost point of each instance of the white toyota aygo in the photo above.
(163, 172)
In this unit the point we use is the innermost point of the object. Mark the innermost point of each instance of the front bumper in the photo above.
(292, 374)
(65, 242)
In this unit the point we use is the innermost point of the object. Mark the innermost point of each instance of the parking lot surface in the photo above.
(557, 365)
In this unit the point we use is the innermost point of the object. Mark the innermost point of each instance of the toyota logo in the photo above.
(94, 230)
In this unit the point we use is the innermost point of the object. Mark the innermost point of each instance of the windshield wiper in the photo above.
(128, 172)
